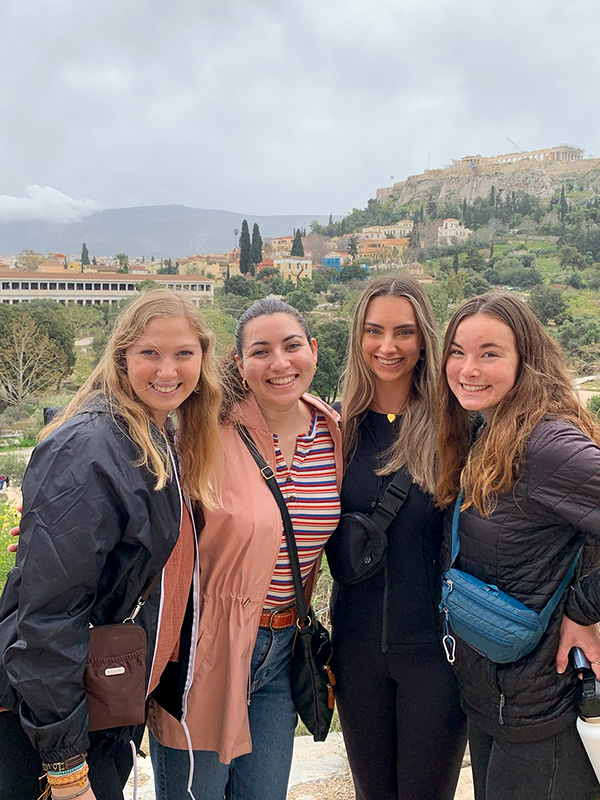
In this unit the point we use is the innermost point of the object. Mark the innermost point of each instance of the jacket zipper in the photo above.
(384, 607)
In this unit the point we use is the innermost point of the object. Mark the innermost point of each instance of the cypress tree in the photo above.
(297, 246)
(245, 246)
(255, 248)
(563, 204)
(85, 256)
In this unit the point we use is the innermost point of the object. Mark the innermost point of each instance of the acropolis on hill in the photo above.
(536, 171)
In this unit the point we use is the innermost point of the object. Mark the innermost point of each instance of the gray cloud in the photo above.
(45, 204)
(281, 107)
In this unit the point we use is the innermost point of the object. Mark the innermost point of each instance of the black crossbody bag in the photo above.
(312, 679)
(357, 549)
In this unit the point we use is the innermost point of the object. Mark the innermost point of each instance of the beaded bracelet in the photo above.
(75, 778)
(60, 773)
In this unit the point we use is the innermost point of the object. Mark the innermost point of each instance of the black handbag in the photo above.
(312, 679)
(357, 549)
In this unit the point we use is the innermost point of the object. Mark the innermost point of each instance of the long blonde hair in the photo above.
(198, 435)
(415, 444)
(542, 389)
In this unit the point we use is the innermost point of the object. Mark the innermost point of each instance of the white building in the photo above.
(92, 289)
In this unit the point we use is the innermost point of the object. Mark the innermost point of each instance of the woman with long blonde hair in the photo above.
(103, 514)
(398, 701)
(531, 486)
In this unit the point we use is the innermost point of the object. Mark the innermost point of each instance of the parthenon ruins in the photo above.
(563, 152)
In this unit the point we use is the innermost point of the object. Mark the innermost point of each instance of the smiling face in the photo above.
(391, 340)
(163, 365)
(482, 363)
(278, 361)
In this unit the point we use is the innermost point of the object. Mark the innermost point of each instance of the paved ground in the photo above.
(319, 772)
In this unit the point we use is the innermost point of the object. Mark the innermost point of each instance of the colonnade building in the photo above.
(93, 289)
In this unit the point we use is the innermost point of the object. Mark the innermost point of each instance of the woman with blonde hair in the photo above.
(531, 488)
(398, 701)
(103, 513)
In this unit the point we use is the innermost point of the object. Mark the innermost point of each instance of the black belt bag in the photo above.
(356, 551)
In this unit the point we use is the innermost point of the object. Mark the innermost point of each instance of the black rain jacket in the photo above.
(94, 532)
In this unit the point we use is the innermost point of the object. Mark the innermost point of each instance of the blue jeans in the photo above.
(262, 774)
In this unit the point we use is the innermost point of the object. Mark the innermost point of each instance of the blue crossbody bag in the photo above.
(492, 622)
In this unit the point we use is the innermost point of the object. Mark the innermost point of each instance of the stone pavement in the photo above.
(314, 764)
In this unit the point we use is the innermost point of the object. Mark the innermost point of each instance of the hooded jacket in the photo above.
(238, 549)
(94, 533)
(525, 548)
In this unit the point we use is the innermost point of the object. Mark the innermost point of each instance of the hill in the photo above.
(469, 181)
(158, 231)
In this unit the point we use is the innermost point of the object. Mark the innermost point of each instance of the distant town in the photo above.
(70, 278)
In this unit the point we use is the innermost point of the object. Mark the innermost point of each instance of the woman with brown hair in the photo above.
(398, 700)
(531, 488)
(103, 513)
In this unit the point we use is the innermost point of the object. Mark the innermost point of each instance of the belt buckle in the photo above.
(277, 611)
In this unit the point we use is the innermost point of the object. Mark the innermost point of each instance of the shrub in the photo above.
(9, 517)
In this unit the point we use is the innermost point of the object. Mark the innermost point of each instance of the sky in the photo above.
(278, 106)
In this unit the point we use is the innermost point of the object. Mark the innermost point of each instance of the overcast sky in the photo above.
(278, 106)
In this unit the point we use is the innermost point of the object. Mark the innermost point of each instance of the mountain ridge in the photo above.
(160, 231)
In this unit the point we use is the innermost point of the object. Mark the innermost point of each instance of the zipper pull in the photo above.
(501, 709)
(448, 641)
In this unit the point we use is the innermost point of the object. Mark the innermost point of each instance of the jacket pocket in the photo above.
(205, 641)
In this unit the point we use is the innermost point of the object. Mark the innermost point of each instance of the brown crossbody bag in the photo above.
(115, 674)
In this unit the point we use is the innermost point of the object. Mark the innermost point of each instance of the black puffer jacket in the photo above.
(94, 532)
(525, 548)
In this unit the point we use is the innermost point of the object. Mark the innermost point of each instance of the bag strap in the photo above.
(142, 598)
(393, 499)
(271, 481)
(548, 609)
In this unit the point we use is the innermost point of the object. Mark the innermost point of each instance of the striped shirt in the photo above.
(310, 490)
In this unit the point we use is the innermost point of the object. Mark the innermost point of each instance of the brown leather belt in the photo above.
(279, 618)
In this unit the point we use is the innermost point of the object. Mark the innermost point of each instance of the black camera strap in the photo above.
(393, 499)
(269, 476)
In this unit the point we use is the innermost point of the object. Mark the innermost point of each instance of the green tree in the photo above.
(32, 363)
(297, 246)
(255, 249)
(238, 284)
(29, 259)
(352, 246)
(332, 338)
(85, 257)
(353, 272)
(564, 208)
(302, 299)
(593, 405)
(245, 246)
(123, 260)
(576, 335)
(548, 304)
(168, 268)
(570, 258)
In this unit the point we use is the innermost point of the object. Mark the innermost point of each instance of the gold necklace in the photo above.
(390, 417)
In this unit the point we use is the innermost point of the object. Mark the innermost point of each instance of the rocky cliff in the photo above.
(460, 183)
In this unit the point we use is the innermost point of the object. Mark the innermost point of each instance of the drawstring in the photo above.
(135, 768)
(191, 755)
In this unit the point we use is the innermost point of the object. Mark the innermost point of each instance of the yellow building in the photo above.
(293, 268)
(382, 249)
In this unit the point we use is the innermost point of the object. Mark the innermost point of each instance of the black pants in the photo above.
(110, 763)
(403, 727)
(556, 768)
